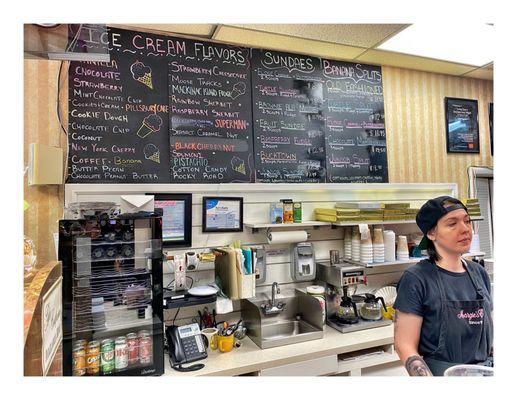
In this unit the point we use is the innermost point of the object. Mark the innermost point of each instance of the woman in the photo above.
(443, 306)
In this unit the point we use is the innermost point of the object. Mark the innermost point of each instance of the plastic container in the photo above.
(319, 293)
(469, 370)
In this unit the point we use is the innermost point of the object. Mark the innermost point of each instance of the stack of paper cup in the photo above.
(348, 243)
(378, 246)
(474, 245)
(389, 245)
(402, 248)
(356, 244)
(367, 249)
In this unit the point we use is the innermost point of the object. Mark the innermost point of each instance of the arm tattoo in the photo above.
(416, 366)
(394, 316)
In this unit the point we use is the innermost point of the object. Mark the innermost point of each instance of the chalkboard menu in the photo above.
(289, 141)
(167, 109)
(210, 115)
(354, 123)
(118, 112)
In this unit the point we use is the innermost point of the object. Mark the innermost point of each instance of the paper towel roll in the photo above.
(287, 237)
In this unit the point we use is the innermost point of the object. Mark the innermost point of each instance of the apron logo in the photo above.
(472, 316)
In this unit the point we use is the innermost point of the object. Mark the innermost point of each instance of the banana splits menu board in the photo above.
(211, 137)
(118, 110)
(354, 123)
(289, 140)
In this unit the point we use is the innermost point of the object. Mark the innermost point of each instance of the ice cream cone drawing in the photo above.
(238, 165)
(152, 153)
(238, 90)
(150, 124)
(142, 74)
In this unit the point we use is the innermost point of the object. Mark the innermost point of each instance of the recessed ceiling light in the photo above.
(471, 44)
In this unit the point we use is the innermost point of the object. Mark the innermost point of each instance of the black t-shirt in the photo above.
(418, 293)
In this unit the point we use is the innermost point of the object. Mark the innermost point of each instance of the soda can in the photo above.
(79, 360)
(107, 356)
(145, 350)
(93, 354)
(132, 348)
(121, 353)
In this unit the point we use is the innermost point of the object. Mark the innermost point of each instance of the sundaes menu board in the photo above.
(118, 112)
(289, 141)
(354, 123)
(210, 115)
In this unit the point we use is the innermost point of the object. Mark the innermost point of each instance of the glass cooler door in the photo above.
(112, 297)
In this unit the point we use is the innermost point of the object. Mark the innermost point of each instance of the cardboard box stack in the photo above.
(473, 207)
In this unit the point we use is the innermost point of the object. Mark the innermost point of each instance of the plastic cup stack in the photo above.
(402, 248)
(389, 245)
(348, 243)
(367, 249)
(378, 246)
(356, 244)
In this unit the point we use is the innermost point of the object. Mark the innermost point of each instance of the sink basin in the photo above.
(300, 321)
(288, 332)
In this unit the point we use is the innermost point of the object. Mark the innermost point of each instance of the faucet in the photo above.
(270, 307)
(273, 286)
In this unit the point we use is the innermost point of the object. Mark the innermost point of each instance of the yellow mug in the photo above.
(225, 343)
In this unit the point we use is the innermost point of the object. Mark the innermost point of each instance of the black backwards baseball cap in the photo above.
(434, 209)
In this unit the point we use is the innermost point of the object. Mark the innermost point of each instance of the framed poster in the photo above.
(462, 125)
(176, 219)
(222, 214)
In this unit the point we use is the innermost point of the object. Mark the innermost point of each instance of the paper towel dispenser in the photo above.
(303, 262)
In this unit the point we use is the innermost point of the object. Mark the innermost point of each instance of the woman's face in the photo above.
(453, 232)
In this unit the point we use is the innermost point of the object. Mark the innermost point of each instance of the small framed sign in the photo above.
(222, 214)
(462, 125)
(177, 218)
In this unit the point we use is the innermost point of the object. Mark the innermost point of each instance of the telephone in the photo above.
(185, 345)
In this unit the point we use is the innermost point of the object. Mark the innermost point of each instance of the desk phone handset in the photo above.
(185, 345)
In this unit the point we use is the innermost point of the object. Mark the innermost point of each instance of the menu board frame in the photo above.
(457, 128)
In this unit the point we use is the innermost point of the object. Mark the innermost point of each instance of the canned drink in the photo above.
(79, 360)
(93, 354)
(107, 356)
(143, 333)
(145, 349)
(121, 353)
(132, 348)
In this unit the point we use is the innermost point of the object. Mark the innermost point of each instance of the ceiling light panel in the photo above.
(471, 44)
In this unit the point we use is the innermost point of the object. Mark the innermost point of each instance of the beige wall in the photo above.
(41, 126)
(415, 126)
(415, 129)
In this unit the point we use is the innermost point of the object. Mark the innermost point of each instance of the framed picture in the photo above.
(491, 126)
(177, 218)
(222, 214)
(462, 125)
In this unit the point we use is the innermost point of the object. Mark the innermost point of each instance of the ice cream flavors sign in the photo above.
(125, 115)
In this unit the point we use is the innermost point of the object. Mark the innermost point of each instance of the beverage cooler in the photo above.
(112, 295)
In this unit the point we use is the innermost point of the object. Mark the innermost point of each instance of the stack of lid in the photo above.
(395, 211)
(366, 211)
(348, 242)
(473, 207)
(348, 214)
